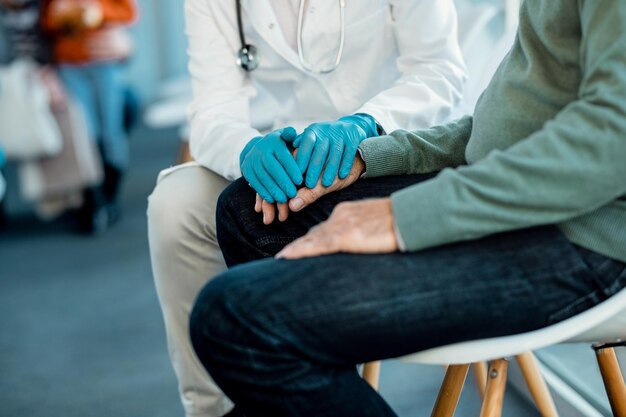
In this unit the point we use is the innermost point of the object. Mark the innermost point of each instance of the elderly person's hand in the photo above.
(305, 196)
(364, 227)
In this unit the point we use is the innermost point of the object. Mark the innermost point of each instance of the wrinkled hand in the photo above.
(306, 196)
(268, 166)
(331, 147)
(364, 227)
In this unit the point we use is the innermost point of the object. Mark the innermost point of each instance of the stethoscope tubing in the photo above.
(247, 56)
(342, 40)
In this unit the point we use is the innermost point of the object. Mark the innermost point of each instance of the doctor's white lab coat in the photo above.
(401, 64)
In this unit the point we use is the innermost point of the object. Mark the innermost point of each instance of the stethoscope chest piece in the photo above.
(248, 58)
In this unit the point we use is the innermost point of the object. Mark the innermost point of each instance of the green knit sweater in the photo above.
(546, 145)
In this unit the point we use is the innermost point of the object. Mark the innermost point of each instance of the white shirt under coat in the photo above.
(401, 64)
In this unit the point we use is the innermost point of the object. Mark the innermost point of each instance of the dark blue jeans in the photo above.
(282, 338)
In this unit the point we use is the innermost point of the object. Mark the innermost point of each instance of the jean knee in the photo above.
(232, 205)
(214, 328)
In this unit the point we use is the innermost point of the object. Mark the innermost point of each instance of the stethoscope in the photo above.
(248, 55)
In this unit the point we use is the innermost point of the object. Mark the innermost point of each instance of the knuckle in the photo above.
(342, 207)
(311, 194)
(324, 144)
(337, 144)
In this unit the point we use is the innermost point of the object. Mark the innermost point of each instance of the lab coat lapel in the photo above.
(266, 24)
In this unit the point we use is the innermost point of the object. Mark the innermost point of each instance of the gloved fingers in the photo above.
(347, 160)
(256, 184)
(298, 140)
(318, 159)
(289, 164)
(305, 144)
(270, 185)
(269, 212)
(332, 164)
(288, 134)
(280, 177)
(258, 204)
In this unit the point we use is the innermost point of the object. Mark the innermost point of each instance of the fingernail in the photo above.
(296, 204)
(264, 219)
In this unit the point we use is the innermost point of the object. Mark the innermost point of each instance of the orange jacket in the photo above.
(70, 46)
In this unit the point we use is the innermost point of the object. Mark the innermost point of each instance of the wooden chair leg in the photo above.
(184, 155)
(450, 391)
(480, 373)
(496, 385)
(371, 373)
(613, 379)
(536, 384)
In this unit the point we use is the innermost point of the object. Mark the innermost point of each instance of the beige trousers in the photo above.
(185, 255)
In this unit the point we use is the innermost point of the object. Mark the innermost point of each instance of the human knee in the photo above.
(216, 323)
(183, 203)
(234, 201)
(165, 210)
(235, 207)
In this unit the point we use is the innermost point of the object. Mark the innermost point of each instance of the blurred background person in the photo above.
(365, 67)
(91, 47)
(44, 132)
(24, 37)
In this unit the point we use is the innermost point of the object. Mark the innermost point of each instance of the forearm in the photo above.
(420, 152)
(217, 144)
(572, 166)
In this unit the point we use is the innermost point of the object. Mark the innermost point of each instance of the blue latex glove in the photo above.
(267, 164)
(334, 145)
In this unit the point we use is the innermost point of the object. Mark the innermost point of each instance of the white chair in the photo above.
(603, 326)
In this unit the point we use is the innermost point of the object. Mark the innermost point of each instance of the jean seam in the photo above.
(574, 307)
(616, 286)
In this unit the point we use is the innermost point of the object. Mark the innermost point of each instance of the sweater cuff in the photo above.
(420, 216)
(383, 156)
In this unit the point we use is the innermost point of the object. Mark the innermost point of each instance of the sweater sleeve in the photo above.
(420, 152)
(572, 166)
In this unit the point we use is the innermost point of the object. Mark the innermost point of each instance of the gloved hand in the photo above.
(267, 164)
(333, 144)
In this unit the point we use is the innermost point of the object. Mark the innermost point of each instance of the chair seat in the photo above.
(605, 322)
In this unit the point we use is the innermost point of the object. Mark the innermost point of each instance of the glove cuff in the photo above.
(366, 122)
(247, 149)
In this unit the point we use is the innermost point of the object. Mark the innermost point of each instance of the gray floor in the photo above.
(81, 331)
